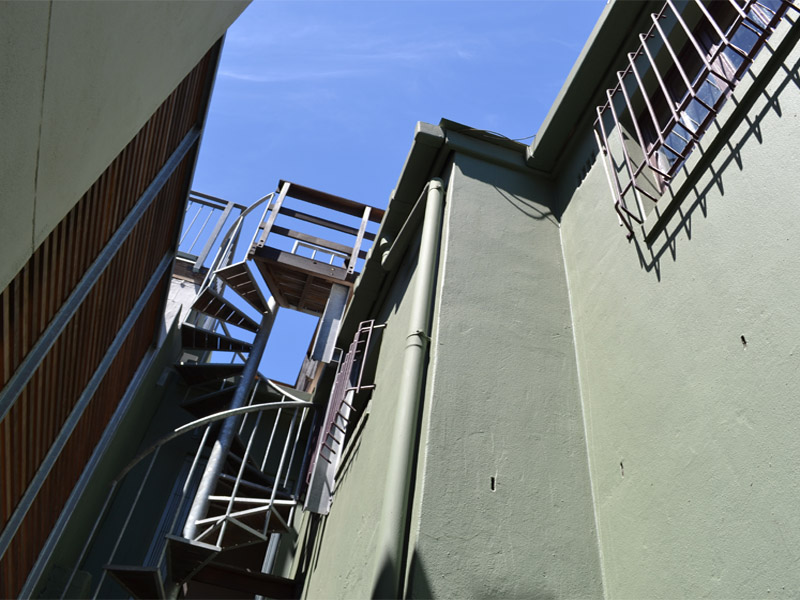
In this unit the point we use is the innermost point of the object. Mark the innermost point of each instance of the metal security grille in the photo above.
(332, 436)
(672, 89)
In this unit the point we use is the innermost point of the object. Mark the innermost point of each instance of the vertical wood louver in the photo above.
(34, 297)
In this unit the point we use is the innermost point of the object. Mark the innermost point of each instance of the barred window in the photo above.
(672, 89)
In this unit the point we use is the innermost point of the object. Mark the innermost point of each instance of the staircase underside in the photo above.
(298, 282)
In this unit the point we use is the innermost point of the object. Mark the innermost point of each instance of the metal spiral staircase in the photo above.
(248, 475)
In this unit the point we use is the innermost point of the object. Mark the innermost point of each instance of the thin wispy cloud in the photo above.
(286, 76)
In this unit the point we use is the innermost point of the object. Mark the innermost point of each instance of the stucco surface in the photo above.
(343, 563)
(503, 403)
(80, 79)
(688, 360)
(23, 38)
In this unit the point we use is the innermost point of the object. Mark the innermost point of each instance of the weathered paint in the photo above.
(688, 361)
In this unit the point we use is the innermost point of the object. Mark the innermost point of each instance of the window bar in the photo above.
(700, 52)
(626, 158)
(617, 188)
(689, 87)
(645, 153)
(745, 18)
(670, 102)
(656, 126)
(723, 37)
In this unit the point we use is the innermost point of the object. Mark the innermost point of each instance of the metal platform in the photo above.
(301, 279)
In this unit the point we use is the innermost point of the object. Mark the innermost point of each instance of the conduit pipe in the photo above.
(222, 445)
(392, 531)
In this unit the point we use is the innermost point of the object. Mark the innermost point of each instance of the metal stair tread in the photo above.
(249, 582)
(241, 280)
(208, 404)
(215, 305)
(196, 373)
(203, 339)
(140, 582)
(185, 557)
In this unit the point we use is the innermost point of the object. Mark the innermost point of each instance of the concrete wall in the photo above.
(503, 404)
(693, 433)
(79, 80)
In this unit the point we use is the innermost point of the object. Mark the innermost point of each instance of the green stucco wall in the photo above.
(693, 434)
(503, 403)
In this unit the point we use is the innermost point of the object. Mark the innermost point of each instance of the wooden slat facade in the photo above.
(31, 300)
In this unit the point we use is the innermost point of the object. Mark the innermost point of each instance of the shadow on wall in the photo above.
(528, 207)
(419, 585)
(650, 255)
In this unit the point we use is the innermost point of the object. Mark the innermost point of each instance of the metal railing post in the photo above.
(223, 443)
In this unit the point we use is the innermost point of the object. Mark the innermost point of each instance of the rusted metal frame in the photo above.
(351, 266)
(654, 119)
(276, 209)
(79, 407)
(626, 158)
(624, 220)
(70, 306)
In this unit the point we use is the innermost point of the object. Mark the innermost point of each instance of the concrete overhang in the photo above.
(595, 71)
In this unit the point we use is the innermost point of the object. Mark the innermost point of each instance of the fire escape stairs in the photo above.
(240, 279)
(197, 338)
(252, 498)
(215, 305)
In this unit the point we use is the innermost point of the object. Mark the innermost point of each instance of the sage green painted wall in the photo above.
(503, 402)
(704, 426)
(79, 80)
(344, 559)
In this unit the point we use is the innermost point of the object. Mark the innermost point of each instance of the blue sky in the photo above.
(326, 94)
